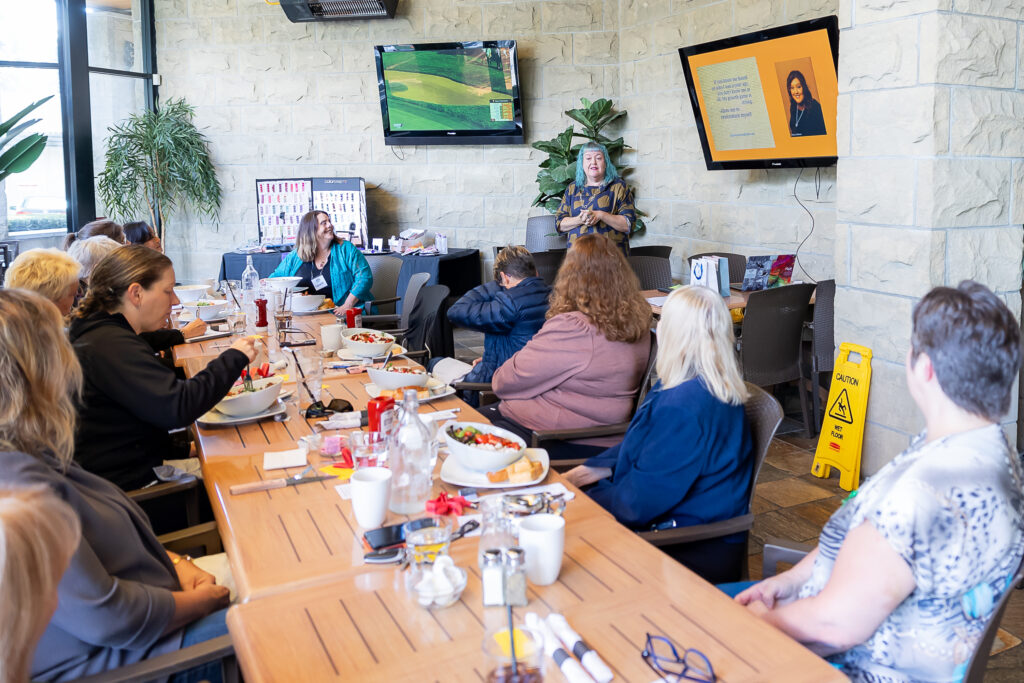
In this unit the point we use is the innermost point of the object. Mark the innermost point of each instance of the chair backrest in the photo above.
(650, 373)
(654, 272)
(424, 318)
(541, 234)
(412, 293)
(659, 250)
(979, 660)
(770, 342)
(824, 325)
(764, 415)
(385, 270)
(548, 263)
(737, 263)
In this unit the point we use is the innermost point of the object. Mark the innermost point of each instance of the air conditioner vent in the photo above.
(336, 10)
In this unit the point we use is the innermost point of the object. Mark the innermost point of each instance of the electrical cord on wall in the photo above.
(817, 195)
(395, 152)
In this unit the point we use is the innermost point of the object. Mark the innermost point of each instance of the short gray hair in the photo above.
(90, 252)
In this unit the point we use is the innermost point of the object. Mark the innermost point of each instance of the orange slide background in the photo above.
(814, 46)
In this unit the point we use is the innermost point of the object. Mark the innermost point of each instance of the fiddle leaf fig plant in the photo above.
(159, 161)
(559, 168)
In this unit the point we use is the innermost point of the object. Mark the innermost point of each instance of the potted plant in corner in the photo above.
(158, 160)
(559, 168)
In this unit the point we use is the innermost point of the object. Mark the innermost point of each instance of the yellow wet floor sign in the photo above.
(842, 433)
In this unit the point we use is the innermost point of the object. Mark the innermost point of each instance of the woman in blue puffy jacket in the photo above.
(508, 310)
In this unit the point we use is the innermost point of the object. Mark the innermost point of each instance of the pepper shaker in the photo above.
(515, 577)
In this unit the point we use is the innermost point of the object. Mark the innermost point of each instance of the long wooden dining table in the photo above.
(309, 608)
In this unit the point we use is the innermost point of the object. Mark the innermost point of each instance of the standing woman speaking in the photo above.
(598, 201)
(327, 264)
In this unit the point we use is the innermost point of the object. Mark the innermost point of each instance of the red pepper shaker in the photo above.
(261, 312)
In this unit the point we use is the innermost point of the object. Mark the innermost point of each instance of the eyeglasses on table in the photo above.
(664, 659)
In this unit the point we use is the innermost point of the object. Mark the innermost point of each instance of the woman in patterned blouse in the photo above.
(598, 202)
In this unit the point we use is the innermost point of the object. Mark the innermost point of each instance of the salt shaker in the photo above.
(492, 578)
(515, 577)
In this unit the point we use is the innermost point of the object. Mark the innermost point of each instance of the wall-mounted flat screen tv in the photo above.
(767, 99)
(450, 93)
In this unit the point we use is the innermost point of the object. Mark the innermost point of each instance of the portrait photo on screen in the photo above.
(799, 90)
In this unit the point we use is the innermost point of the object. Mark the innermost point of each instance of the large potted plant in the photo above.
(16, 157)
(158, 161)
(559, 168)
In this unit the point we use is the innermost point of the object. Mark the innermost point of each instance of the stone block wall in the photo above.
(929, 178)
(691, 208)
(279, 100)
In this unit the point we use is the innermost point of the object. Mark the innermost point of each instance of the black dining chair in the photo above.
(654, 272)
(385, 269)
(548, 263)
(769, 344)
(541, 234)
(659, 250)
(817, 356)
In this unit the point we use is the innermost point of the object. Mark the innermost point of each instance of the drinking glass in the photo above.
(310, 372)
(236, 320)
(528, 666)
(369, 449)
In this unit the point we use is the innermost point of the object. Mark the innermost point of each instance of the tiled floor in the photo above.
(792, 504)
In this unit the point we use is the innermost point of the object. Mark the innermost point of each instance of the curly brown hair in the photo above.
(596, 280)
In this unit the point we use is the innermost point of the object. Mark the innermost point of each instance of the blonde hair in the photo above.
(89, 252)
(596, 280)
(40, 377)
(38, 535)
(695, 339)
(49, 272)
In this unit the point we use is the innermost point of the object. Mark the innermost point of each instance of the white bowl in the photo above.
(191, 292)
(365, 349)
(282, 283)
(248, 403)
(387, 379)
(479, 459)
(207, 309)
(310, 302)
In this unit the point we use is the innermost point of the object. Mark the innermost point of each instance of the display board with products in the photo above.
(281, 203)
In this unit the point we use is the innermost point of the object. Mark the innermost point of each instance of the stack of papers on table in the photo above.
(658, 301)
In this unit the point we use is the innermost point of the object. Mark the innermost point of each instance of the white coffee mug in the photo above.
(371, 490)
(330, 335)
(543, 538)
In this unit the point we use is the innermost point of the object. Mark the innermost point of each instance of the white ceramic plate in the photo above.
(346, 354)
(186, 316)
(457, 475)
(433, 384)
(216, 418)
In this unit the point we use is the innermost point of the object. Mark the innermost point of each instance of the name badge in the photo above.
(319, 282)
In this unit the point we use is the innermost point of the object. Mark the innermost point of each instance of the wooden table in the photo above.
(311, 610)
(736, 299)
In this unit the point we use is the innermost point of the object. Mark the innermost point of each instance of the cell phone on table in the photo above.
(393, 535)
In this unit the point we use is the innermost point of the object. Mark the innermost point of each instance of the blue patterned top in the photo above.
(953, 510)
(613, 197)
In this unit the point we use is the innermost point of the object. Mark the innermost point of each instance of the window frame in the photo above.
(76, 113)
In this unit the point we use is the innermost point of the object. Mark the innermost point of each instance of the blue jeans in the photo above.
(209, 627)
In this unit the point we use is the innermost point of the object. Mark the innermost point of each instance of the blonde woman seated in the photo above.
(688, 454)
(49, 272)
(584, 366)
(123, 597)
(38, 534)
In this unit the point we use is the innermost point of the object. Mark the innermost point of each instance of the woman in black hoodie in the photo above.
(130, 399)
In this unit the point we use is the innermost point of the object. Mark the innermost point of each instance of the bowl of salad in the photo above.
(206, 309)
(367, 343)
(241, 403)
(482, 447)
(396, 376)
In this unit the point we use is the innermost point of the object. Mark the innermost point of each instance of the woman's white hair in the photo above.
(38, 534)
(91, 251)
(695, 339)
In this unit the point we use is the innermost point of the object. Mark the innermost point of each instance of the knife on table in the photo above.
(269, 484)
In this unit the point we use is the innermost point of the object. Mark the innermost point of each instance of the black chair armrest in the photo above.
(472, 386)
(540, 436)
(189, 489)
(698, 532)
(564, 465)
(382, 319)
(777, 550)
(389, 300)
(164, 665)
(203, 536)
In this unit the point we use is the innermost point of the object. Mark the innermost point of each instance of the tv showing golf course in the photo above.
(450, 93)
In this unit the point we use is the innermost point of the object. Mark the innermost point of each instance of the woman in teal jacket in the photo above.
(327, 265)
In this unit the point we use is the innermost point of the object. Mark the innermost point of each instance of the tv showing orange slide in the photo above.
(767, 99)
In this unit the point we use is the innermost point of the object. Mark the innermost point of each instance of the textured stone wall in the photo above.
(696, 210)
(280, 100)
(929, 177)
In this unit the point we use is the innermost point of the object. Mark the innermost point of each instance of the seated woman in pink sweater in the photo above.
(584, 367)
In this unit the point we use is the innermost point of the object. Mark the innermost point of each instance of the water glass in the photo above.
(236, 321)
(369, 449)
(310, 372)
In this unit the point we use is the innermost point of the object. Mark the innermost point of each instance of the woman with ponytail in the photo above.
(130, 399)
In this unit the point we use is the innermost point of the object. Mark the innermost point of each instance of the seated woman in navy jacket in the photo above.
(508, 310)
(687, 456)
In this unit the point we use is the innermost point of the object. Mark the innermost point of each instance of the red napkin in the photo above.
(445, 505)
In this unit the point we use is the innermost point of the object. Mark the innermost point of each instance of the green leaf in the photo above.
(22, 155)
(9, 123)
(552, 187)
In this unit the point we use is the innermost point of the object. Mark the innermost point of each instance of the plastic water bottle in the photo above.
(410, 460)
(250, 282)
